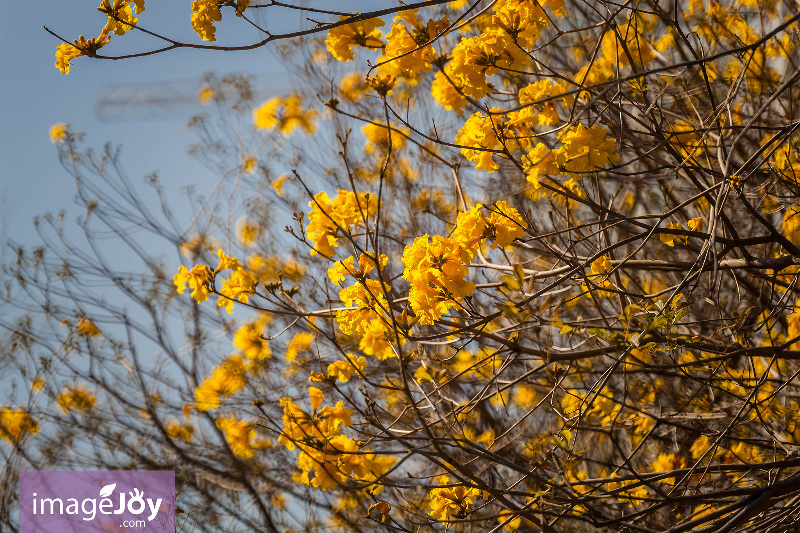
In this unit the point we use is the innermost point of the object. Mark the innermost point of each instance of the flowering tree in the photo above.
(544, 280)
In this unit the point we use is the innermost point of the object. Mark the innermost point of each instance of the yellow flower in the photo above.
(601, 265)
(277, 184)
(436, 271)
(251, 341)
(87, 328)
(471, 228)
(58, 132)
(247, 231)
(225, 380)
(206, 94)
(204, 14)
(346, 211)
(666, 462)
(447, 94)
(15, 423)
(404, 54)
(382, 84)
(476, 58)
(240, 286)
(199, 280)
(81, 46)
(380, 137)
(241, 436)
(121, 14)
(547, 111)
(520, 20)
(506, 224)
(696, 224)
(480, 137)
(249, 164)
(198, 244)
(586, 149)
(179, 430)
(76, 398)
(364, 33)
(37, 384)
(353, 87)
(671, 239)
(366, 264)
(451, 501)
(791, 224)
(285, 114)
(343, 370)
(700, 446)
(300, 343)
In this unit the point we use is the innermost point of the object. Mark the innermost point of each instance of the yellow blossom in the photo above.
(700, 446)
(300, 343)
(364, 33)
(87, 328)
(343, 370)
(251, 341)
(206, 94)
(436, 271)
(285, 114)
(204, 14)
(249, 164)
(121, 14)
(198, 278)
(407, 52)
(179, 430)
(506, 224)
(586, 149)
(76, 398)
(345, 212)
(15, 423)
(241, 436)
(378, 136)
(81, 46)
(247, 231)
(601, 265)
(447, 94)
(547, 112)
(58, 132)
(671, 239)
(226, 379)
(240, 286)
(277, 183)
(451, 500)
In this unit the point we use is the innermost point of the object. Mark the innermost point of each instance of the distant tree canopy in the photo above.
(538, 272)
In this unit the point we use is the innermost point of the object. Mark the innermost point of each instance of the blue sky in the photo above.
(35, 95)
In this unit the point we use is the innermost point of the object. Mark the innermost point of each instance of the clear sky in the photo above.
(35, 95)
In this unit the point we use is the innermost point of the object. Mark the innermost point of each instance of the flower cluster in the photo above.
(121, 14)
(583, 150)
(242, 436)
(437, 268)
(451, 499)
(81, 46)
(368, 317)
(408, 52)
(76, 398)
(15, 423)
(364, 33)
(345, 212)
(284, 114)
(327, 457)
(226, 379)
(206, 12)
